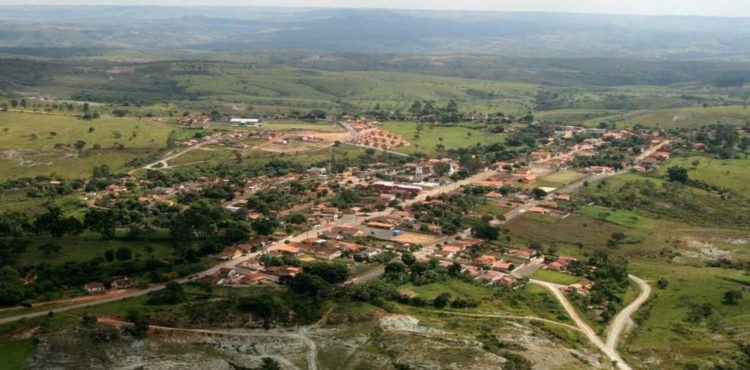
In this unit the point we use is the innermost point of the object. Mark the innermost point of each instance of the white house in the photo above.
(247, 121)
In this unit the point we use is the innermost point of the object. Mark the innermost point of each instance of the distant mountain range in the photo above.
(242, 29)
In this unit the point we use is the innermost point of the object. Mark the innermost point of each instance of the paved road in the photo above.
(622, 319)
(610, 352)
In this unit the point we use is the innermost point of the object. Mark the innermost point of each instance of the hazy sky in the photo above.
(735, 8)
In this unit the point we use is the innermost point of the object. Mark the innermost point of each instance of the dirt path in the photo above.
(623, 318)
(506, 317)
(610, 352)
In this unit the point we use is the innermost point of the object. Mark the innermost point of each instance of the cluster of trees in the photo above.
(610, 277)
(450, 215)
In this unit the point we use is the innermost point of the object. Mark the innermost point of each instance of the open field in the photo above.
(678, 117)
(87, 247)
(555, 277)
(664, 324)
(27, 148)
(559, 179)
(572, 229)
(453, 137)
(733, 174)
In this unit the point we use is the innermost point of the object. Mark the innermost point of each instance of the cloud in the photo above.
(734, 8)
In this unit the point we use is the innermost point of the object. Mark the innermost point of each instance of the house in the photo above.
(470, 270)
(452, 249)
(381, 225)
(230, 253)
(349, 247)
(445, 254)
(121, 282)
(561, 263)
(539, 210)
(255, 278)
(522, 253)
(563, 197)
(288, 249)
(94, 288)
(582, 287)
(282, 271)
(247, 121)
(327, 253)
(507, 280)
(485, 261)
(347, 231)
(491, 276)
(502, 265)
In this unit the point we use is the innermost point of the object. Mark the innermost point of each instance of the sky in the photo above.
(731, 8)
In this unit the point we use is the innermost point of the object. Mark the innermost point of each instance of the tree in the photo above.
(79, 144)
(50, 249)
(485, 231)
(732, 297)
(14, 103)
(441, 300)
(265, 226)
(102, 221)
(333, 273)
(140, 323)
(11, 289)
(662, 283)
(408, 259)
(123, 253)
(677, 174)
(310, 285)
(269, 364)
(56, 224)
(539, 193)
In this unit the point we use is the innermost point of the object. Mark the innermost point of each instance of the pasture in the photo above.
(559, 179)
(678, 117)
(733, 174)
(34, 144)
(427, 140)
(572, 229)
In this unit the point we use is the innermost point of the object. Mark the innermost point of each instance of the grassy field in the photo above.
(88, 246)
(559, 179)
(29, 143)
(291, 124)
(678, 117)
(453, 137)
(733, 174)
(665, 330)
(620, 217)
(15, 352)
(555, 277)
(573, 229)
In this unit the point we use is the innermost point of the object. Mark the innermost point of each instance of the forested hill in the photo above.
(384, 31)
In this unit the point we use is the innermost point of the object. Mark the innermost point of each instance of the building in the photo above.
(94, 288)
(256, 122)
(121, 282)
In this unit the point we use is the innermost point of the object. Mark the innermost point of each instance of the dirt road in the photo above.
(623, 317)
(609, 351)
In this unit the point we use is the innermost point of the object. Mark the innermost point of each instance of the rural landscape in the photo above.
(321, 188)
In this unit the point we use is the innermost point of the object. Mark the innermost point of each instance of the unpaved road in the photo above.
(618, 324)
(623, 317)
(611, 353)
